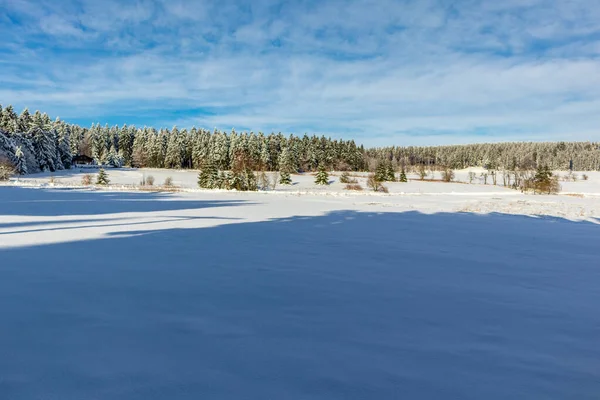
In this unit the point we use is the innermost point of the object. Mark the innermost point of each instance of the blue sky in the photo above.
(380, 71)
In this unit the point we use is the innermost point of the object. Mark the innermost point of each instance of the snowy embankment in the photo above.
(157, 295)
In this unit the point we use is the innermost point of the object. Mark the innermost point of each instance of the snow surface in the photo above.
(433, 291)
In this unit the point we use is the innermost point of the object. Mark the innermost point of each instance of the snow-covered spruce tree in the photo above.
(286, 167)
(64, 145)
(285, 178)
(102, 178)
(208, 176)
(24, 121)
(139, 154)
(9, 120)
(45, 148)
(322, 177)
(220, 150)
(381, 172)
(20, 161)
(126, 138)
(402, 176)
(23, 141)
(243, 177)
(390, 173)
(173, 155)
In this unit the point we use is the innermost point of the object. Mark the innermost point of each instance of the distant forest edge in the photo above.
(33, 143)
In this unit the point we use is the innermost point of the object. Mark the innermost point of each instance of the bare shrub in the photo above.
(168, 182)
(150, 180)
(263, 181)
(353, 186)
(447, 175)
(584, 177)
(484, 175)
(6, 170)
(52, 180)
(274, 180)
(472, 176)
(422, 171)
(345, 177)
(86, 180)
(432, 173)
(375, 184)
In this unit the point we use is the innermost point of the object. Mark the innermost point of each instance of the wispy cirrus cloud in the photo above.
(379, 71)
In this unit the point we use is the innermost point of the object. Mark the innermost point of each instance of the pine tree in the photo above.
(403, 176)
(208, 176)
(24, 121)
(285, 178)
(381, 172)
(322, 177)
(173, 156)
(102, 178)
(45, 149)
(285, 167)
(20, 162)
(64, 145)
(390, 173)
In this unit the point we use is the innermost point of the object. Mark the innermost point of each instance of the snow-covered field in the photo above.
(433, 291)
(578, 200)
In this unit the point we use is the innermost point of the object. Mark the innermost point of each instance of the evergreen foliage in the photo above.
(322, 177)
(285, 178)
(20, 162)
(50, 146)
(102, 178)
(209, 178)
(403, 176)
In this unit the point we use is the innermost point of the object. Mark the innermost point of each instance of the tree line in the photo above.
(35, 142)
(577, 156)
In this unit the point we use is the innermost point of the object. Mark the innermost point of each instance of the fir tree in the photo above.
(285, 178)
(208, 176)
(102, 178)
(390, 173)
(285, 167)
(45, 149)
(20, 162)
(381, 172)
(403, 176)
(322, 177)
(173, 156)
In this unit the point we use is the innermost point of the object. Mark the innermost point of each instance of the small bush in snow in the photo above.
(345, 177)
(584, 177)
(375, 184)
(168, 182)
(263, 181)
(447, 175)
(422, 171)
(86, 180)
(150, 180)
(6, 170)
(353, 186)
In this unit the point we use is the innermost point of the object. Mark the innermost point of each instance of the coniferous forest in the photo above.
(34, 142)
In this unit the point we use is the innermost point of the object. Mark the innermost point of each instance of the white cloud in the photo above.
(413, 72)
